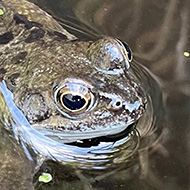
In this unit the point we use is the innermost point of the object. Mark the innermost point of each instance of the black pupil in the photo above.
(128, 50)
(73, 102)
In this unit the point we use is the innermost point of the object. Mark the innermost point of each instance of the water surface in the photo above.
(158, 33)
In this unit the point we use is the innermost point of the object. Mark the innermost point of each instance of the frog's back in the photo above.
(12, 8)
(27, 36)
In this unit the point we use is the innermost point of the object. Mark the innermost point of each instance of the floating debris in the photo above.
(186, 54)
(45, 177)
(1, 12)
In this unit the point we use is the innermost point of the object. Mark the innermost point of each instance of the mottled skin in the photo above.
(37, 56)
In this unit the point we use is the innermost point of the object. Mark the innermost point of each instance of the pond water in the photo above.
(158, 33)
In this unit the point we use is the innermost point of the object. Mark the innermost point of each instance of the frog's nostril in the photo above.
(117, 104)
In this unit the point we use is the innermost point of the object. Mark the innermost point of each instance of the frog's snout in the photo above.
(125, 102)
(117, 104)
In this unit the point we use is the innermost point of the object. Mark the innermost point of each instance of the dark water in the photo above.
(158, 33)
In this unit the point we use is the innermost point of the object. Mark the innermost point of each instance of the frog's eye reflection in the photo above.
(73, 102)
(73, 99)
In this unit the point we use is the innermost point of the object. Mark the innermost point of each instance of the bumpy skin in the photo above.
(37, 56)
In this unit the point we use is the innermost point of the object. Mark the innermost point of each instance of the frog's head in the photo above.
(90, 91)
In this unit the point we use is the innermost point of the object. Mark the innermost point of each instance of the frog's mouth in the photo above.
(108, 138)
(73, 135)
(67, 131)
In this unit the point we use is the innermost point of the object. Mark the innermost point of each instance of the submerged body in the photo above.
(67, 89)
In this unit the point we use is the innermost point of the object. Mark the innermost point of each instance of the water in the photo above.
(158, 34)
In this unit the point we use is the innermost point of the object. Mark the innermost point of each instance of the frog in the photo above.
(67, 89)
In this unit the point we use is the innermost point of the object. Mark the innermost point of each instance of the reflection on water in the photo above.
(158, 33)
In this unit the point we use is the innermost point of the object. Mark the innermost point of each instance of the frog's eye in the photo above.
(73, 102)
(110, 55)
(127, 50)
(73, 99)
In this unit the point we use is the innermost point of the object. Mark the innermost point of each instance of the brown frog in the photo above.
(67, 89)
